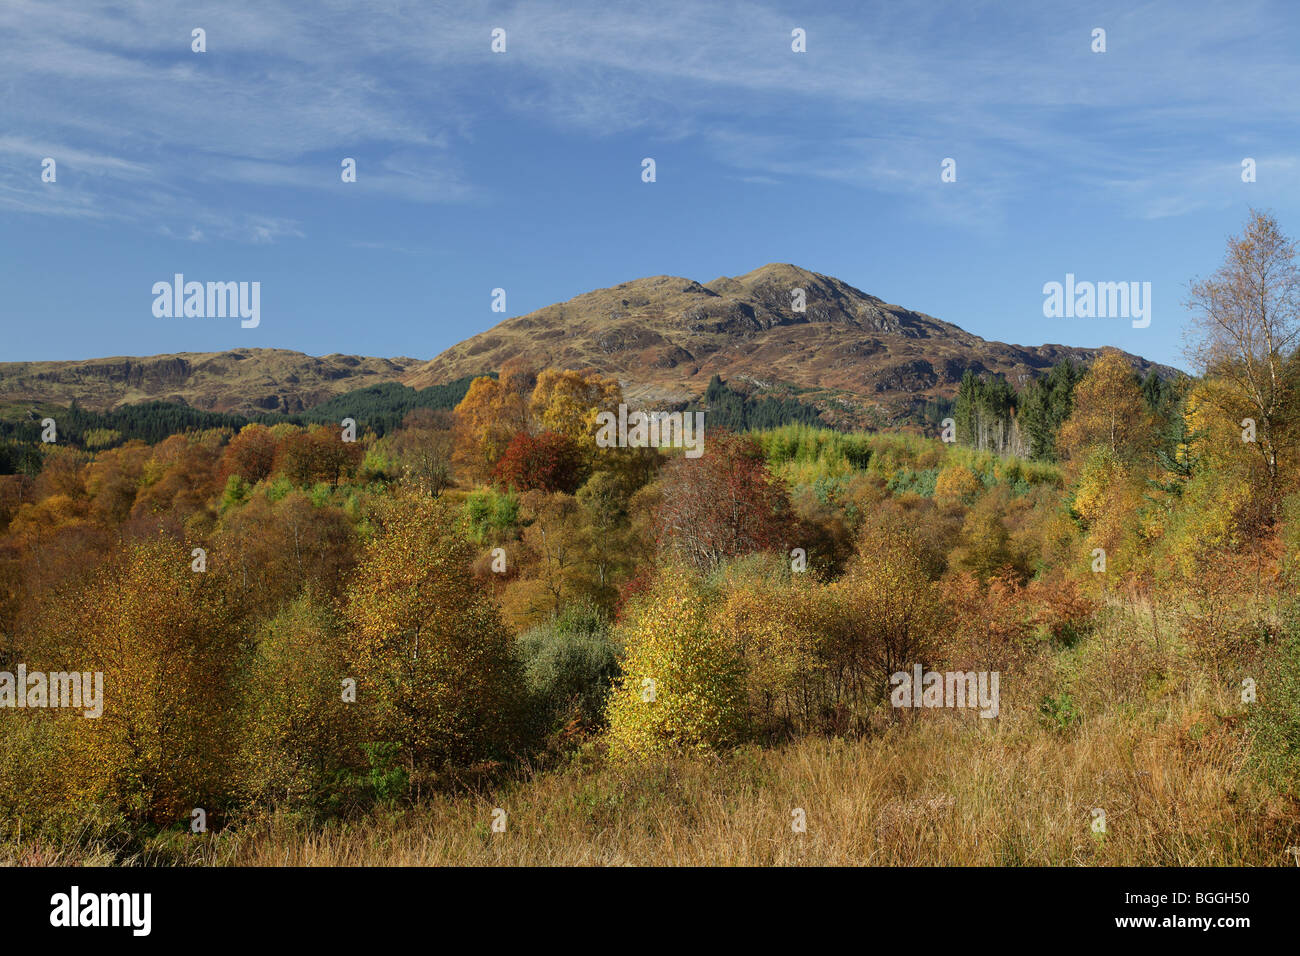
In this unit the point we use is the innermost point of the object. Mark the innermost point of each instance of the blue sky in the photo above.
(522, 170)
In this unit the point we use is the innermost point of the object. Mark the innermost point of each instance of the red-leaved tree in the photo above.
(723, 504)
(548, 461)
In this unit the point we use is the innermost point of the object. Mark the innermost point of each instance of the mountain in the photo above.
(852, 356)
(664, 337)
(244, 381)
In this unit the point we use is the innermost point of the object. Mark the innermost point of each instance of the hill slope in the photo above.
(851, 355)
(244, 381)
(665, 336)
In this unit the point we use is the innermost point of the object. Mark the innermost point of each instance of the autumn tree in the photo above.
(556, 558)
(51, 543)
(773, 621)
(985, 544)
(63, 472)
(430, 652)
(605, 504)
(548, 461)
(250, 455)
(57, 535)
(276, 549)
(957, 484)
(1107, 502)
(177, 486)
(168, 645)
(886, 615)
(568, 402)
(723, 504)
(113, 480)
(492, 413)
(682, 689)
(1223, 497)
(1247, 320)
(1108, 410)
(318, 455)
(297, 729)
(423, 447)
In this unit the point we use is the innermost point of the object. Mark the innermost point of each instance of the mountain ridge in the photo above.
(857, 358)
(243, 381)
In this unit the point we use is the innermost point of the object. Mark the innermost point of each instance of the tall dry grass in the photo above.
(940, 792)
(1157, 745)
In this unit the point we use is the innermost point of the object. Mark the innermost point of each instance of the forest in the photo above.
(470, 634)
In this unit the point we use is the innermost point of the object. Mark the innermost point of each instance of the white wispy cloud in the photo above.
(157, 135)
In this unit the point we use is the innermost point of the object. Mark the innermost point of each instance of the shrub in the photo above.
(487, 510)
(918, 482)
(957, 483)
(31, 788)
(1059, 711)
(884, 616)
(682, 688)
(569, 664)
(771, 618)
(1064, 612)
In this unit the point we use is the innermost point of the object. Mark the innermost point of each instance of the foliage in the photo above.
(1248, 316)
(957, 483)
(722, 504)
(489, 512)
(318, 454)
(549, 461)
(167, 642)
(726, 408)
(297, 734)
(566, 403)
(1108, 410)
(492, 412)
(682, 686)
(885, 615)
(375, 560)
(570, 663)
(985, 414)
(382, 408)
(432, 657)
(1275, 717)
(1045, 404)
(773, 622)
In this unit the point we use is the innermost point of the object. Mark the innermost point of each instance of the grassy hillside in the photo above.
(240, 381)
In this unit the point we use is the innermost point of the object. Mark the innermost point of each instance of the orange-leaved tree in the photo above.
(492, 413)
